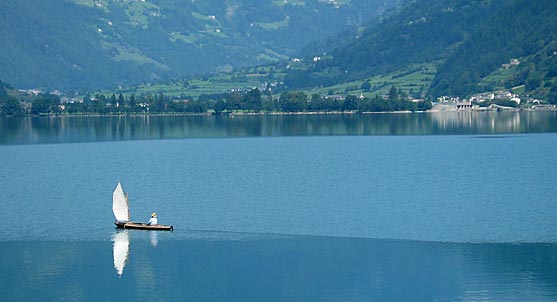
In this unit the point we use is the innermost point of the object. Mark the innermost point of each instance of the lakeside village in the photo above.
(253, 101)
(492, 101)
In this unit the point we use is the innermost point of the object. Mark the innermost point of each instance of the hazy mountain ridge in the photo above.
(90, 44)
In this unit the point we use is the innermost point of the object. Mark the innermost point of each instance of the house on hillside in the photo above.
(482, 97)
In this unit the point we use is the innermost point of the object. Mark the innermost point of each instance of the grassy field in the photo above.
(273, 25)
(411, 80)
(195, 87)
(497, 78)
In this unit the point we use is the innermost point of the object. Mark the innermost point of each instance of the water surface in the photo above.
(244, 267)
(107, 128)
(283, 214)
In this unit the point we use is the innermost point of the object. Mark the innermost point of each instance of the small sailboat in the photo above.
(121, 210)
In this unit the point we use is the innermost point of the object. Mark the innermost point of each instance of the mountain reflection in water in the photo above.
(107, 128)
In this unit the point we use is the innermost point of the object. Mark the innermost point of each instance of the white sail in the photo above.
(121, 250)
(120, 206)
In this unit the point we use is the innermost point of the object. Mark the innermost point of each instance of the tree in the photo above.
(293, 101)
(159, 104)
(99, 104)
(393, 94)
(552, 96)
(424, 105)
(3, 92)
(121, 101)
(350, 103)
(113, 100)
(132, 102)
(234, 101)
(253, 100)
(366, 86)
(317, 103)
(220, 106)
(379, 104)
(45, 104)
(10, 107)
(533, 81)
(41, 105)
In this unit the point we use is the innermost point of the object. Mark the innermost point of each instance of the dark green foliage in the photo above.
(63, 45)
(219, 106)
(3, 92)
(10, 106)
(253, 100)
(505, 103)
(552, 96)
(366, 86)
(45, 104)
(519, 28)
(293, 101)
(424, 105)
(158, 104)
(350, 103)
(234, 101)
(467, 41)
(245, 101)
(422, 31)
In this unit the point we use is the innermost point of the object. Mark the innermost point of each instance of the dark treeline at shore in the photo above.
(250, 101)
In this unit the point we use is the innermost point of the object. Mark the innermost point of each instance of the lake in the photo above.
(387, 207)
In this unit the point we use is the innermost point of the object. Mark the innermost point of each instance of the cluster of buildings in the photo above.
(486, 101)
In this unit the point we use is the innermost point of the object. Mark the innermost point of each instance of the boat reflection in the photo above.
(154, 238)
(121, 247)
(121, 250)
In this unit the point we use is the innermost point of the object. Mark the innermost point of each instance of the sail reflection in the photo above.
(154, 238)
(121, 250)
(218, 266)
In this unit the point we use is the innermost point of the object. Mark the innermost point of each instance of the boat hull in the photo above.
(143, 226)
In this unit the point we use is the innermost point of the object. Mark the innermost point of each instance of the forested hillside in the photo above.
(3, 92)
(522, 30)
(468, 41)
(422, 31)
(91, 44)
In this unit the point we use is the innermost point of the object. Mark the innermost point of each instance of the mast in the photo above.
(128, 204)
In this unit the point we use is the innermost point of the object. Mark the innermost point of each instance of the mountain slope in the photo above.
(421, 31)
(520, 29)
(90, 44)
(467, 41)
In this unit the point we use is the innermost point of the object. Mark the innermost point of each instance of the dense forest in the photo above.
(523, 30)
(422, 31)
(252, 101)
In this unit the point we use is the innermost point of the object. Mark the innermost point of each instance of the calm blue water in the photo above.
(347, 217)
(116, 128)
(233, 267)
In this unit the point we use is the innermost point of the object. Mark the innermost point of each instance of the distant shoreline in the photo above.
(232, 114)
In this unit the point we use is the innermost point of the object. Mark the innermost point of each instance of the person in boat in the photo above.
(153, 220)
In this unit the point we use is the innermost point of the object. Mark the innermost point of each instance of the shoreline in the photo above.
(232, 114)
